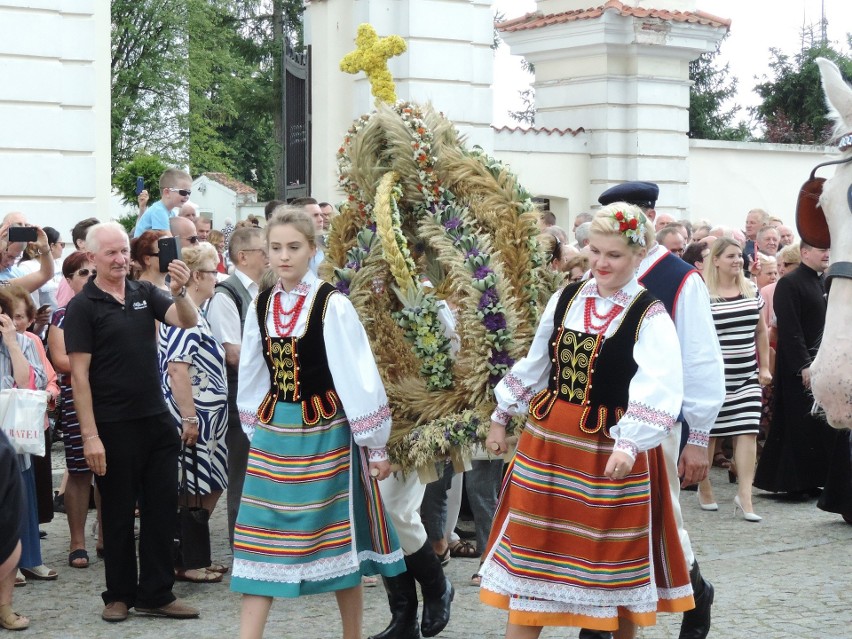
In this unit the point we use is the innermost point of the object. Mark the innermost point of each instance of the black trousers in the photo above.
(142, 465)
(238, 450)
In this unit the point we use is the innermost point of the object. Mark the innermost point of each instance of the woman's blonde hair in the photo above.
(215, 237)
(199, 255)
(711, 274)
(605, 222)
(790, 254)
(296, 217)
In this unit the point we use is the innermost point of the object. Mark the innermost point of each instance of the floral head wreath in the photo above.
(630, 225)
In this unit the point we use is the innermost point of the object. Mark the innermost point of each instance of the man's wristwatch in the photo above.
(180, 293)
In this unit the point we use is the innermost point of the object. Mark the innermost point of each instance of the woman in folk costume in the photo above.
(584, 534)
(311, 518)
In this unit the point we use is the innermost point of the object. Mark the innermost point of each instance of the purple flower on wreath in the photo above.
(489, 297)
(342, 286)
(494, 321)
(482, 272)
(472, 253)
(452, 223)
(372, 226)
(494, 379)
(498, 358)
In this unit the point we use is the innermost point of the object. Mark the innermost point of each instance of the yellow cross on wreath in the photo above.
(371, 56)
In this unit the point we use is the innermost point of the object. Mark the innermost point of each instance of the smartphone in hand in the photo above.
(169, 248)
(140, 184)
(23, 234)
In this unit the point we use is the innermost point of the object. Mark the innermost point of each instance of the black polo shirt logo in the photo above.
(138, 306)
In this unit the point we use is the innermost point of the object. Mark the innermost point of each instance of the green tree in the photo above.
(149, 168)
(235, 87)
(793, 109)
(710, 116)
(149, 69)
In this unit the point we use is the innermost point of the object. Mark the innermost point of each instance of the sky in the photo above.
(756, 26)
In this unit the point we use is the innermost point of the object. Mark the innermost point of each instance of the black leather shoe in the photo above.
(696, 622)
(585, 633)
(437, 590)
(402, 599)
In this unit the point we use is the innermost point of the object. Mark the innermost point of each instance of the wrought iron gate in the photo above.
(296, 107)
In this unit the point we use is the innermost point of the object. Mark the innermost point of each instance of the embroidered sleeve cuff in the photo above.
(649, 415)
(248, 421)
(377, 454)
(365, 425)
(501, 416)
(626, 446)
(522, 394)
(698, 438)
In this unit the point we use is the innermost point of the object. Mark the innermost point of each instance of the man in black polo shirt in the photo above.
(129, 438)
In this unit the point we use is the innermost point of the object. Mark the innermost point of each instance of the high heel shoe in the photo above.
(747, 516)
(710, 506)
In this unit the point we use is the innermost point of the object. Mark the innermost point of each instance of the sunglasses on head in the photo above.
(84, 272)
(183, 192)
(810, 218)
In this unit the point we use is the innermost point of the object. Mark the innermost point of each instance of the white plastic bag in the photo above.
(22, 414)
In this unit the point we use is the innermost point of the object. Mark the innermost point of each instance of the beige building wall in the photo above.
(55, 110)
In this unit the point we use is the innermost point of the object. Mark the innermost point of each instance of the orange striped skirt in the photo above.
(570, 547)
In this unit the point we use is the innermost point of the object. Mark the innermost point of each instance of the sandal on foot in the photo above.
(476, 580)
(220, 568)
(464, 549)
(42, 573)
(20, 580)
(444, 557)
(11, 620)
(368, 581)
(198, 576)
(79, 555)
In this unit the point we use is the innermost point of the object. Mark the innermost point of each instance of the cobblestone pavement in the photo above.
(785, 577)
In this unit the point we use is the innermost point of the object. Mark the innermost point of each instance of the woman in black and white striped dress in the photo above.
(742, 332)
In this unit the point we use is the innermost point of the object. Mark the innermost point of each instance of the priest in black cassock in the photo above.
(796, 455)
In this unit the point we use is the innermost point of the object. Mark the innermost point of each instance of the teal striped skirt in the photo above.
(311, 518)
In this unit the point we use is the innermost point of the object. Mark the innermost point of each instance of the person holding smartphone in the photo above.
(15, 234)
(175, 188)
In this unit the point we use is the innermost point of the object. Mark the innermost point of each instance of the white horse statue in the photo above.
(828, 222)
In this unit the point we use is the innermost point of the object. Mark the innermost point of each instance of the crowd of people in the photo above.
(239, 367)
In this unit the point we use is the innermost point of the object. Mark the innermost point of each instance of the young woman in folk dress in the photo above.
(584, 533)
(311, 518)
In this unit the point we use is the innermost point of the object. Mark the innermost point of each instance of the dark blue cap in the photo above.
(639, 193)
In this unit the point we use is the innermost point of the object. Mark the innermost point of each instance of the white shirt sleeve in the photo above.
(225, 319)
(253, 374)
(529, 375)
(655, 394)
(356, 377)
(703, 367)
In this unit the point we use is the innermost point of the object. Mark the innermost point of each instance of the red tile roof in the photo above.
(540, 129)
(536, 20)
(235, 185)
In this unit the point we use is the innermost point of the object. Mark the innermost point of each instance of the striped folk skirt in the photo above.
(570, 547)
(311, 519)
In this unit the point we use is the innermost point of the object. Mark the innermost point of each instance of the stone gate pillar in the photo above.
(448, 62)
(621, 72)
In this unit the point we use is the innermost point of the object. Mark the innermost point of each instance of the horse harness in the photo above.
(810, 218)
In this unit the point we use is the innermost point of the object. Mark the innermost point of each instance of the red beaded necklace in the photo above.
(607, 318)
(284, 329)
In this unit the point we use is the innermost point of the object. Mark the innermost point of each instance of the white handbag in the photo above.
(22, 414)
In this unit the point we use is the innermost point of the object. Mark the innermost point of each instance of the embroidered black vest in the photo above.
(298, 366)
(578, 376)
